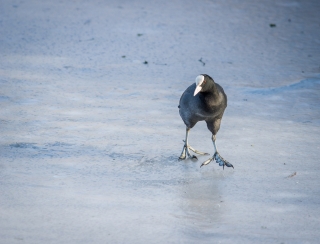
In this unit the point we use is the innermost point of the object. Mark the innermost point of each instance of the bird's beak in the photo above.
(197, 90)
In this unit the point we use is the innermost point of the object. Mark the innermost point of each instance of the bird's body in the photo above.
(208, 106)
(203, 100)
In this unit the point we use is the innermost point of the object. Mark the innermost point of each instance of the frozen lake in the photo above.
(91, 134)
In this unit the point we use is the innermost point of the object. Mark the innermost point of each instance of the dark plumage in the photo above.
(203, 100)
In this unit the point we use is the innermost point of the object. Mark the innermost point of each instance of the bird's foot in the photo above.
(197, 152)
(185, 153)
(206, 162)
(220, 160)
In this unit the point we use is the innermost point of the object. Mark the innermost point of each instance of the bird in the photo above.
(204, 100)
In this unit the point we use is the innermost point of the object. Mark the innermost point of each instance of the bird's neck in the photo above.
(210, 96)
(210, 89)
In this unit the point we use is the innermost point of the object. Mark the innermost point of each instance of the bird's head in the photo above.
(202, 83)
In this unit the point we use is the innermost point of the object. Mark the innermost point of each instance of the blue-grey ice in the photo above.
(91, 133)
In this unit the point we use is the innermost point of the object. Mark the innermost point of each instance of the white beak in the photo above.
(197, 90)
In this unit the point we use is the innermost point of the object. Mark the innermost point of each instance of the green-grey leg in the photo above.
(185, 150)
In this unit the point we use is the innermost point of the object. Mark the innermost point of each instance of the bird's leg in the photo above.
(185, 150)
(220, 160)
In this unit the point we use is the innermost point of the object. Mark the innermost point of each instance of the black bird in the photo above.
(203, 100)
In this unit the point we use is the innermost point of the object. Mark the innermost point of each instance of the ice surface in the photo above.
(91, 134)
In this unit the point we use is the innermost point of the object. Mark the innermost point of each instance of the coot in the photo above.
(203, 100)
